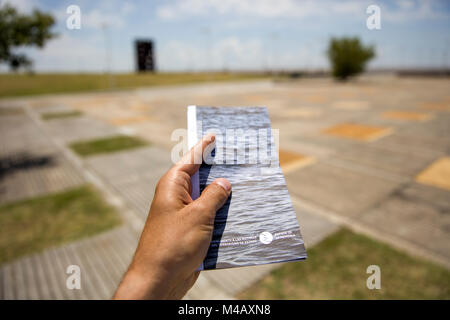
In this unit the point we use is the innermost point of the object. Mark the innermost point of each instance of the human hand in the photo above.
(176, 235)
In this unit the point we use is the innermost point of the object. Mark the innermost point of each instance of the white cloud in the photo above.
(75, 51)
(189, 49)
(81, 54)
(234, 53)
(112, 14)
(70, 54)
(24, 6)
(409, 10)
(230, 52)
(256, 8)
(97, 18)
(406, 4)
(396, 12)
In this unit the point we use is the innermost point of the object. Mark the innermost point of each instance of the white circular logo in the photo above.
(265, 237)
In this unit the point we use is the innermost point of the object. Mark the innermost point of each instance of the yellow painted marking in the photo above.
(302, 113)
(140, 107)
(290, 161)
(407, 115)
(314, 99)
(358, 131)
(436, 106)
(437, 174)
(351, 105)
(254, 98)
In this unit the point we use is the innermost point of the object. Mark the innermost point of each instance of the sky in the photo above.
(197, 35)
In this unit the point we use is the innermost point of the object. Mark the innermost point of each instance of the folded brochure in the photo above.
(257, 224)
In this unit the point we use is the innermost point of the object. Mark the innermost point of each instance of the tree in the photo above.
(348, 57)
(21, 30)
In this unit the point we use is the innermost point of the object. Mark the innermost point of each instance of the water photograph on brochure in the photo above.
(257, 224)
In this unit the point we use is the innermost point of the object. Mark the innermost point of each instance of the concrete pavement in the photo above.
(355, 176)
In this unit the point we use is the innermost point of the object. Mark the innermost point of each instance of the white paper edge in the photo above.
(192, 126)
(192, 141)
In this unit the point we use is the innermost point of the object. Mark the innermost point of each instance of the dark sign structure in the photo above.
(144, 56)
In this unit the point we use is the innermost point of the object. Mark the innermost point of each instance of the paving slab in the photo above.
(314, 228)
(307, 148)
(133, 174)
(53, 108)
(436, 106)
(102, 260)
(35, 176)
(365, 182)
(19, 134)
(30, 165)
(138, 194)
(416, 143)
(319, 146)
(342, 190)
(357, 131)
(417, 213)
(407, 115)
(437, 174)
(79, 128)
(290, 161)
(138, 161)
(351, 105)
(125, 121)
(301, 113)
(437, 128)
(404, 163)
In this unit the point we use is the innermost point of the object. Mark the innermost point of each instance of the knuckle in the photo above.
(202, 206)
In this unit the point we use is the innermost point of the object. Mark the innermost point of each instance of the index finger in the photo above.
(192, 160)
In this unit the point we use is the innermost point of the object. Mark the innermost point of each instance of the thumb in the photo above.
(213, 197)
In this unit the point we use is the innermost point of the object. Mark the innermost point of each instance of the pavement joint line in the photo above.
(8, 288)
(400, 147)
(375, 172)
(216, 283)
(363, 228)
(32, 282)
(77, 294)
(297, 164)
(380, 135)
(436, 174)
(412, 116)
(217, 288)
(392, 147)
(130, 217)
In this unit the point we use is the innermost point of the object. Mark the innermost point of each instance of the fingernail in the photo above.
(224, 183)
(210, 137)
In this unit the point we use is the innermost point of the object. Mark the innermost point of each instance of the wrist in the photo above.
(137, 285)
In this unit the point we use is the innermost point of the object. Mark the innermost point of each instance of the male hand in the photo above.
(176, 235)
